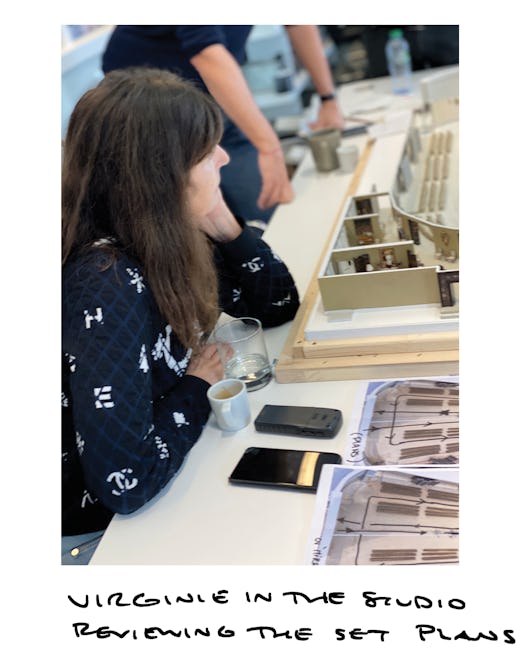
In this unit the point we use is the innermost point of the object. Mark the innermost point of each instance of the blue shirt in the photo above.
(171, 47)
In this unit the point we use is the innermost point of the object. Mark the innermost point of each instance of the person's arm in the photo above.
(132, 433)
(254, 281)
(306, 42)
(226, 83)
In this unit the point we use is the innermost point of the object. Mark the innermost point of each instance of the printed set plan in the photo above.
(385, 517)
(405, 422)
(395, 499)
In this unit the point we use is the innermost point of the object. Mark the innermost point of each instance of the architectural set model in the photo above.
(383, 300)
(401, 248)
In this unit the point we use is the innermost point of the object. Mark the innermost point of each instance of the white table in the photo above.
(200, 518)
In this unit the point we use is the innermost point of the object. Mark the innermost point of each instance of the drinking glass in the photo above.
(243, 352)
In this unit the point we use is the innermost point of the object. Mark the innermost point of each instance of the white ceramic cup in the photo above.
(229, 402)
(347, 158)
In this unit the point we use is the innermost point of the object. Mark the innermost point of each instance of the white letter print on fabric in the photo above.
(143, 364)
(151, 428)
(97, 316)
(283, 301)
(103, 397)
(162, 348)
(80, 443)
(87, 499)
(136, 279)
(253, 265)
(121, 481)
(161, 445)
(180, 419)
(71, 361)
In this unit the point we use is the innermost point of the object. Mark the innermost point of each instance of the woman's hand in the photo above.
(207, 365)
(220, 224)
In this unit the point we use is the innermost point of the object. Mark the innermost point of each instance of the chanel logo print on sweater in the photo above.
(254, 265)
(121, 481)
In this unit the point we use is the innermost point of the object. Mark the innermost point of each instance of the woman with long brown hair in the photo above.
(151, 256)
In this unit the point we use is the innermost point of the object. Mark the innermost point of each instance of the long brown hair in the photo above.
(130, 144)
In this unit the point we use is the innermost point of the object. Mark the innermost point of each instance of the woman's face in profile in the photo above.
(204, 182)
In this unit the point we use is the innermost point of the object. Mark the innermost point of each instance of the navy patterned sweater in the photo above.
(130, 412)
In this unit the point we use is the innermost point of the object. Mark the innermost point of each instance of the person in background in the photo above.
(256, 180)
(151, 255)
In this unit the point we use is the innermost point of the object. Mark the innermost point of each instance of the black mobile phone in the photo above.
(283, 468)
(321, 423)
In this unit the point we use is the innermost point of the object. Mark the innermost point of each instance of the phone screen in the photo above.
(278, 467)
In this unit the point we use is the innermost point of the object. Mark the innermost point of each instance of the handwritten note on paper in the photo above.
(91, 616)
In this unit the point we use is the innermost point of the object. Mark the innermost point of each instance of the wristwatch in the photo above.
(327, 96)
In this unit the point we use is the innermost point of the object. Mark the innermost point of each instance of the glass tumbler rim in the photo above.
(240, 338)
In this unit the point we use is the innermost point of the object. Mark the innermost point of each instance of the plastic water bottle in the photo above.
(399, 62)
